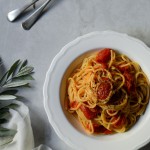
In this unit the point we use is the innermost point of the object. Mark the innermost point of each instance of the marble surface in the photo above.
(60, 24)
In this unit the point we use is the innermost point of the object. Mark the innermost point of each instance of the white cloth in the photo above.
(23, 139)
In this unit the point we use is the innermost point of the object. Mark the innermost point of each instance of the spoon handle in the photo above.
(27, 24)
(17, 12)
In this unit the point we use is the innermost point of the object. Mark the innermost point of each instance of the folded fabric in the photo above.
(42, 147)
(20, 121)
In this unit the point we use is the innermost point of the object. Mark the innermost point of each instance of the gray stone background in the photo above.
(62, 23)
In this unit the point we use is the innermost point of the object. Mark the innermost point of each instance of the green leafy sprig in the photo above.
(19, 75)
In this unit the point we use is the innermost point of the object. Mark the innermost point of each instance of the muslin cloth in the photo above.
(20, 121)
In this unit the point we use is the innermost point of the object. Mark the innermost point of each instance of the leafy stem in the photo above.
(19, 75)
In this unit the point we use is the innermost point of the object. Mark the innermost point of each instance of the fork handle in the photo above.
(27, 24)
(17, 12)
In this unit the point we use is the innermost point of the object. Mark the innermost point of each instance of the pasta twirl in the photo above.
(108, 92)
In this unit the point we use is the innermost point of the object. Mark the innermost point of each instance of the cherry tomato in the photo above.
(74, 104)
(103, 56)
(88, 126)
(123, 69)
(89, 113)
(120, 122)
(100, 129)
(108, 131)
(129, 81)
(104, 65)
(104, 89)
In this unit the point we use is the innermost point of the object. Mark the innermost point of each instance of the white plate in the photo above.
(66, 126)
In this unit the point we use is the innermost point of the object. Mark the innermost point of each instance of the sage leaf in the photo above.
(9, 92)
(6, 140)
(17, 76)
(4, 115)
(3, 121)
(24, 71)
(7, 132)
(13, 68)
(15, 84)
(7, 97)
(4, 104)
(12, 106)
(2, 110)
(25, 77)
(23, 64)
(4, 78)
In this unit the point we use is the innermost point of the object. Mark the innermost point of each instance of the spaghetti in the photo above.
(108, 92)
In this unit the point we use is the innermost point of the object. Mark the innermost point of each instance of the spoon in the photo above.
(17, 12)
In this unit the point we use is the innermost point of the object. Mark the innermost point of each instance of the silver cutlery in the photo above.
(17, 12)
(27, 24)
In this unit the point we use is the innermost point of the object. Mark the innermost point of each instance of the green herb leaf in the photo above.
(11, 106)
(6, 132)
(4, 78)
(15, 84)
(6, 140)
(6, 135)
(23, 64)
(3, 121)
(4, 114)
(13, 68)
(17, 76)
(7, 97)
(4, 109)
(9, 92)
(24, 71)
(25, 77)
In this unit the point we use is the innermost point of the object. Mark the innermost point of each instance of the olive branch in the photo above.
(16, 77)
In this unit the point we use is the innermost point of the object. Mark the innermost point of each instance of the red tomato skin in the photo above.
(104, 89)
(129, 81)
(101, 129)
(89, 113)
(123, 69)
(108, 132)
(104, 66)
(74, 104)
(120, 122)
(103, 56)
(98, 128)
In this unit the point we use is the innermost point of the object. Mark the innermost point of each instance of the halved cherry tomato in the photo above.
(120, 122)
(103, 56)
(111, 111)
(108, 131)
(100, 129)
(74, 104)
(104, 65)
(89, 113)
(104, 89)
(123, 68)
(129, 81)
